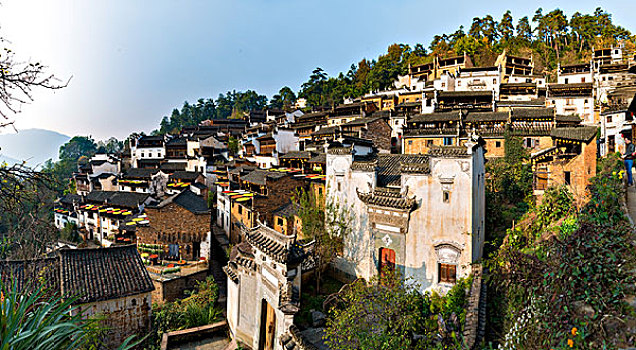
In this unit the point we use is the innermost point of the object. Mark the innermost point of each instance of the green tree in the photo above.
(313, 89)
(326, 225)
(506, 27)
(524, 30)
(233, 145)
(77, 147)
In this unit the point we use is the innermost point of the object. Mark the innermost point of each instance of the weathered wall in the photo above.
(174, 224)
(173, 289)
(495, 148)
(123, 317)
(421, 145)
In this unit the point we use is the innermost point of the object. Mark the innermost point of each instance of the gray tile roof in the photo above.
(387, 198)
(277, 246)
(259, 177)
(583, 133)
(436, 117)
(389, 166)
(185, 175)
(448, 151)
(193, 203)
(487, 117)
(139, 173)
(296, 154)
(91, 275)
(103, 273)
(123, 199)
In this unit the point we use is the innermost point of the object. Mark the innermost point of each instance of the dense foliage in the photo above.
(390, 313)
(563, 273)
(198, 309)
(231, 105)
(508, 191)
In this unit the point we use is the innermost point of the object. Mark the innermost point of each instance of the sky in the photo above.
(130, 62)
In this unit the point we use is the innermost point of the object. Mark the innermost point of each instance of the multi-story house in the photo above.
(570, 161)
(420, 214)
(573, 99)
(148, 151)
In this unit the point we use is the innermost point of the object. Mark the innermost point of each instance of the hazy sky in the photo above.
(132, 61)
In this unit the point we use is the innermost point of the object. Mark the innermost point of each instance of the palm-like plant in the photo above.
(34, 320)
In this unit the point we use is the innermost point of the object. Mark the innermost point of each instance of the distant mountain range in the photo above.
(35, 146)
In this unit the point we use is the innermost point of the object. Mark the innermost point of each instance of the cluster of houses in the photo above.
(405, 168)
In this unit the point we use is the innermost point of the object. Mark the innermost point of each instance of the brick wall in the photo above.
(581, 168)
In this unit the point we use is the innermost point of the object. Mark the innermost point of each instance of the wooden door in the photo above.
(387, 260)
(268, 327)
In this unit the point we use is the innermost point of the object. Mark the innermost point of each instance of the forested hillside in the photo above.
(551, 37)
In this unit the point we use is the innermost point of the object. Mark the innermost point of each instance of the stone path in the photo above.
(631, 202)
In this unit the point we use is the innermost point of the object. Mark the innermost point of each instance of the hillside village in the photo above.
(399, 175)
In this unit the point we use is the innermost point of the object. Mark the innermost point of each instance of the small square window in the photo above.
(498, 144)
(280, 221)
(410, 142)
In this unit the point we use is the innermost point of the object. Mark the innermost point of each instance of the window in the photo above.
(447, 273)
(446, 196)
(583, 80)
(609, 118)
(279, 221)
(443, 84)
(150, 155)
(566, 175)
(339, 187)
(320, 190)
(410, 142)
(429, 143)
(494, 81)
(497, 144)
(142, 154)
(566, 80)
(459, 83)
(134, 302)
(448, 141)
(240, 210)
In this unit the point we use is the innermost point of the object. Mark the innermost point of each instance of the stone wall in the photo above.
(380, 132)
(174, 287)
(475, 324)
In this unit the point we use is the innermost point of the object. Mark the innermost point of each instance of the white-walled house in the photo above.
(572, 99)
(421, 214)
(263, 287)
(147, 151)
